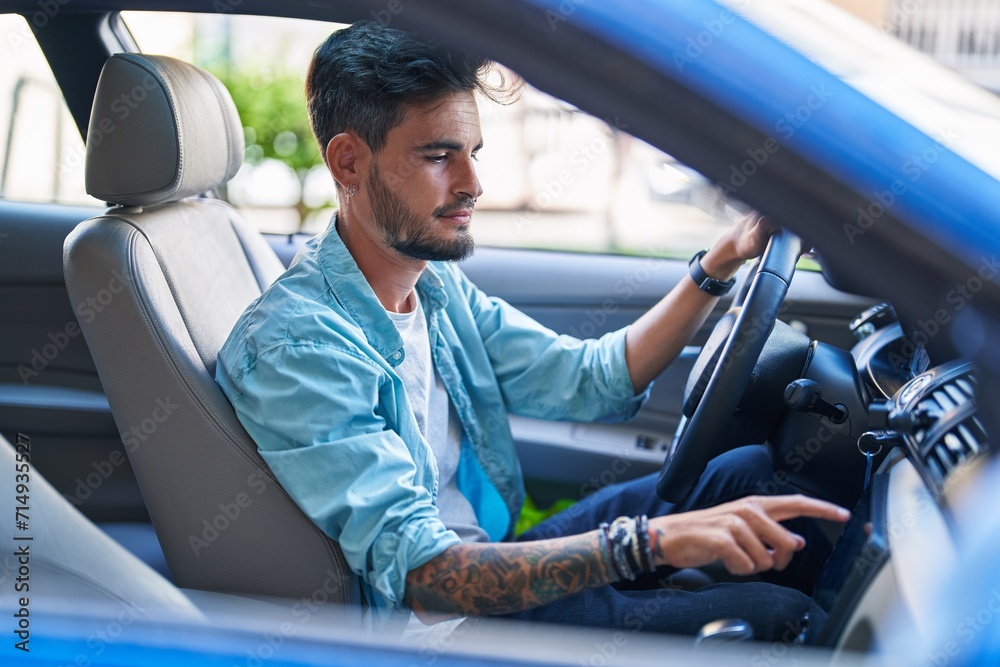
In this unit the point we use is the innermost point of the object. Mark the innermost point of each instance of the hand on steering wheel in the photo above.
(734, 363)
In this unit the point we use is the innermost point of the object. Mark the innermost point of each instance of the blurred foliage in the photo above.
(272, 106)
(531, 516)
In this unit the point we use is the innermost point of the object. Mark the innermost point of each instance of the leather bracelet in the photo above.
(705, 282)
(607, 555)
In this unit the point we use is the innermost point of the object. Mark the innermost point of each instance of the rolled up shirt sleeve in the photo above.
(316, 414)
(551, 376)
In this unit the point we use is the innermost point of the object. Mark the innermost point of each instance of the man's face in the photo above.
(422, 185)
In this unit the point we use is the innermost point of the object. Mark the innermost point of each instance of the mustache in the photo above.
(451, 209)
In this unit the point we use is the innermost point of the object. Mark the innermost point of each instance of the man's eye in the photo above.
(437, 158)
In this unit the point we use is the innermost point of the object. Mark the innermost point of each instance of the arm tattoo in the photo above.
(489, 579)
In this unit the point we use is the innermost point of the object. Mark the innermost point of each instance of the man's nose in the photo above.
(468, 184)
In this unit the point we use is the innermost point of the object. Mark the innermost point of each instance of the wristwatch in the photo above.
(705, 282)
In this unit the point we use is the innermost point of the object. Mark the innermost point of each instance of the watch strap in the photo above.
(705, 282)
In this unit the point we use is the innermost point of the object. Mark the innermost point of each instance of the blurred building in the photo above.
(962, 34)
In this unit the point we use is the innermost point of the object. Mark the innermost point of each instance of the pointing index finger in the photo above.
(781, 508)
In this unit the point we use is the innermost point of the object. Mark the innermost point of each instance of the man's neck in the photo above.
(390, 275)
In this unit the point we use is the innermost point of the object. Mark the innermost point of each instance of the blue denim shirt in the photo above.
(310, 369)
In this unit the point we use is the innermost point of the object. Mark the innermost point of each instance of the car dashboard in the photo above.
(900, 543)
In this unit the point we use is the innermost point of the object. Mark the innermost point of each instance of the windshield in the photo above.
(938, 101)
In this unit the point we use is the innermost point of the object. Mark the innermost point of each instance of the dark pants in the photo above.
(772, 605)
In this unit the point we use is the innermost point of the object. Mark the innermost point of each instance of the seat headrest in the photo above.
(160, 130)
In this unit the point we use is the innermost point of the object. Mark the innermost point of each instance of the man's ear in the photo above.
(346, 156)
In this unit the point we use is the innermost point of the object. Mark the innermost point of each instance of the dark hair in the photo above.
(363, 77)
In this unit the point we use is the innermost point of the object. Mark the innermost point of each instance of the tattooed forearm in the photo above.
(489, 579)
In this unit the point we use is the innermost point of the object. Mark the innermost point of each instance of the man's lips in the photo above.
(462, 215)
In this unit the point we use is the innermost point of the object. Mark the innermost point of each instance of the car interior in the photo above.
(112, 319)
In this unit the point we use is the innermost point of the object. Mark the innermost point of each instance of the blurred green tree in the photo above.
(272, 107)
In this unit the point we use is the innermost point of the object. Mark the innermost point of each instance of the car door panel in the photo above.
(49, 388)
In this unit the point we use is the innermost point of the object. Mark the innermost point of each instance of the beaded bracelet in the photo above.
(622, 538)
(625, 545)
(619, 537)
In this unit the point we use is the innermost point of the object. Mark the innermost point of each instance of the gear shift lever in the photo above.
(724, 631)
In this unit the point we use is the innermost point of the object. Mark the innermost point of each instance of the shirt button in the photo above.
(397, 355)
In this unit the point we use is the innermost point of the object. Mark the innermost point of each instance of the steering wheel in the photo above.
(728, 361)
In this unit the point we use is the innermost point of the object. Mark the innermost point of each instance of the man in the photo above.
(376, 380)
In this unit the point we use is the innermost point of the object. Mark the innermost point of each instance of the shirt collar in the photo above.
(431, 289)
(355, 295)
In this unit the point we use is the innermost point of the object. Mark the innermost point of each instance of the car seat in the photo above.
(168, 272)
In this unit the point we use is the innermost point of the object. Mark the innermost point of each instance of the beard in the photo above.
(405, 232)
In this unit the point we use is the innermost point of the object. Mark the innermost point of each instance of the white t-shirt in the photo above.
(442, 429)
(436, 419)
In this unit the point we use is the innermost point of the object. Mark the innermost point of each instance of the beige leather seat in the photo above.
(167, 274)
